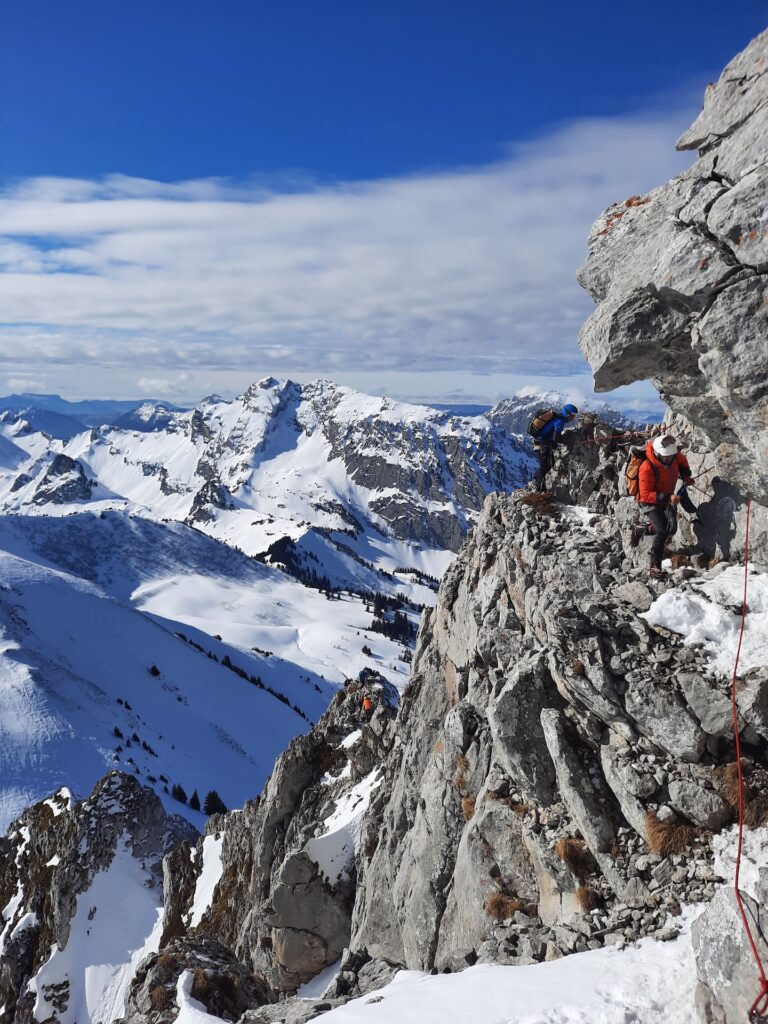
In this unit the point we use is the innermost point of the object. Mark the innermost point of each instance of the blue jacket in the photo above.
(550, 433)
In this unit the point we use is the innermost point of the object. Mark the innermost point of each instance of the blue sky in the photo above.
(195, 194)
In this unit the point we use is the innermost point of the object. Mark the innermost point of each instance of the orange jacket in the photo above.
(657, 481)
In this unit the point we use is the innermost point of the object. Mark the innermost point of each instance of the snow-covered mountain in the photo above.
(147, 417)
(154, 648)
(345, 480)
(88, 413)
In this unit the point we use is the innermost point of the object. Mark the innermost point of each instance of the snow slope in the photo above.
(117, 923)
(75, 665)
(648, 984)
(88, 605)
(710, 614)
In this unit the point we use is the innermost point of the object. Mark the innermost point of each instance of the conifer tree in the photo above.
(213, 803)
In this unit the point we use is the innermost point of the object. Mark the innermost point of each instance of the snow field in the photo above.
(116, 924)
(334, 849)
(73, 653)
(710, 615)
(207, 880)
(648, 984)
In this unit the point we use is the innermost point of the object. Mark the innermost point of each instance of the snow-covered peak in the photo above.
(148, 416)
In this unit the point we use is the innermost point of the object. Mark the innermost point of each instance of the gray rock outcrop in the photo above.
(283, 901)
(63, 481)
(679, 276)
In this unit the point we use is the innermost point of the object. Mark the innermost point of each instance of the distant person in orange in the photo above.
(664, 465)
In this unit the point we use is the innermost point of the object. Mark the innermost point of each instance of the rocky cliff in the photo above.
(679, 276)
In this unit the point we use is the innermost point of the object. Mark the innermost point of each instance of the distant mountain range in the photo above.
(180, 592)
(63, 419)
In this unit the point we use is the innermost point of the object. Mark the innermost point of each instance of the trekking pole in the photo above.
(701, 489)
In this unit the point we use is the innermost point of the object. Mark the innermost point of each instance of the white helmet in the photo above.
(666, 445)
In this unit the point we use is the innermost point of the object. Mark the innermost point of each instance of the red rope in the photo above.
(760, 1005)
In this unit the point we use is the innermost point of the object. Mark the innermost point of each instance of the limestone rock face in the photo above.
(283, 897)
(728, 978)
(679, 276)
(547, 730)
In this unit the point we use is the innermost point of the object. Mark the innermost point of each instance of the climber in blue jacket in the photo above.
(545, 428)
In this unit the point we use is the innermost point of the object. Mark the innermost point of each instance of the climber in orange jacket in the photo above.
(659, 473)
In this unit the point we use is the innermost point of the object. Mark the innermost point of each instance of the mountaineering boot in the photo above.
(656, 573)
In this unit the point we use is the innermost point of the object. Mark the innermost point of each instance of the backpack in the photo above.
(632, 472)
(367, 703)
(540, 420)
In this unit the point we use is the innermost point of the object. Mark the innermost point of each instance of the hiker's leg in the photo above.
(538, 478)
(544, 454)
(657, 519)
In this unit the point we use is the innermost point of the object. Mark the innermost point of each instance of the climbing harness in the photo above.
(758, 1012)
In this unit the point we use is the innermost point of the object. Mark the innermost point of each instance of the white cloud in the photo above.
(25, 384)
(470, 271)
(163, 386)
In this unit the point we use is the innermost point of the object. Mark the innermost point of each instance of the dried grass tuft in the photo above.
(575, 854)
(542, 504)
(587, 898)
(755, 803)
(200, 985)
(462, 766)
(500, 906)
(468, 807)
(160, 997)
(664, 837)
